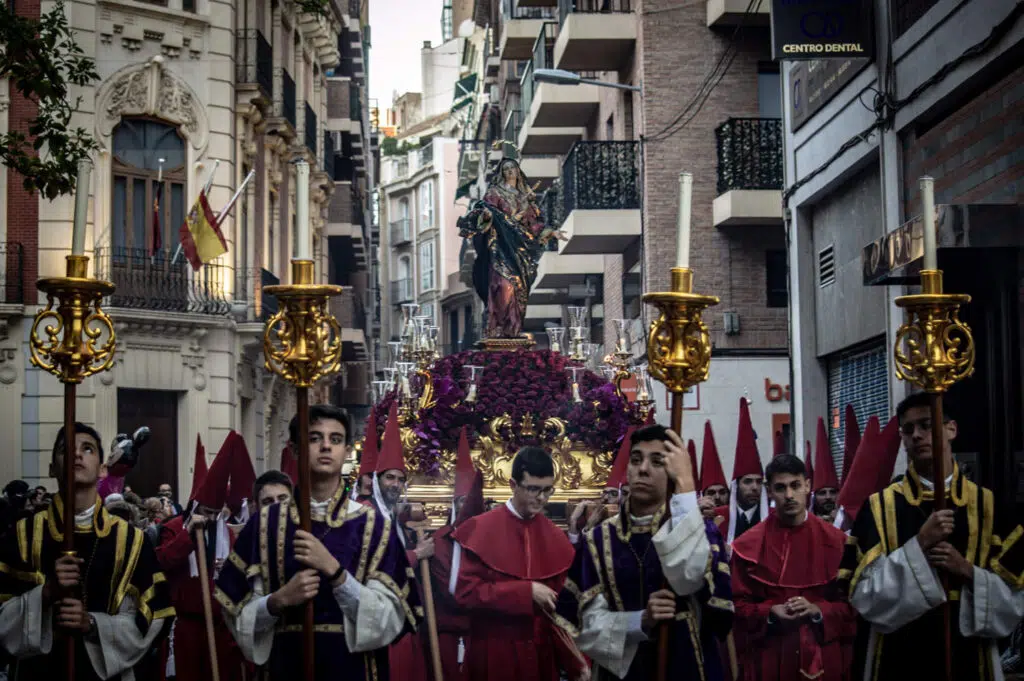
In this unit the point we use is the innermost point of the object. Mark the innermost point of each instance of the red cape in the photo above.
(799, 558)
(532, 549)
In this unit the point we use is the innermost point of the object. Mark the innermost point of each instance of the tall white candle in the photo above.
(81, 207)
(931, 259)
(683, 235)
(302, 211)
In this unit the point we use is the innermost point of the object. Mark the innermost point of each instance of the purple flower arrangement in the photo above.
(516, 384)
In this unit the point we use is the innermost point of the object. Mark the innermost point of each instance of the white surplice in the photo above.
(373, 613)
(611, 638)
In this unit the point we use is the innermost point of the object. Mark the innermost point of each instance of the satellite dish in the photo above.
(466, 28)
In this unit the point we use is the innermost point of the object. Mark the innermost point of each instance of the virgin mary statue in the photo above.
(509, 237)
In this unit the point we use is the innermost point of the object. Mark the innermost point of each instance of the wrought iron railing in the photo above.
(401, 231)
(288, 98)
(551, 207)
(268, 304)
(12, 254)
(165, 282)
(401, 291)
(749, 154)
(329, 154)
(510, 9)
(248, 294)
(254, 59)
(601, 176)
(310, 129)
(567, 7)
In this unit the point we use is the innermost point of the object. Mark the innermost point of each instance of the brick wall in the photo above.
(22, 205)
(678, 50)
(612, 298)
(974, 153)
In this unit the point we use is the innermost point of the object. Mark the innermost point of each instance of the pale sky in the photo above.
(398, 29)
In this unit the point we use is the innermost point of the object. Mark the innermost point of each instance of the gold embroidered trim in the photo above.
(875, 501)
(891, 530)
(264, 546)
(37, 542)
(318, 628)
(565, 624)
(33, 577)
(382, 545)
(722, 604)
(402, 594)
(988, 511)
(230, 606)
(282, 529)
(237, 561)
(1015, 581)
(120, 553)
(971, 491)
(133, 559)
(22, 528)
(609, 570)
(870, 557)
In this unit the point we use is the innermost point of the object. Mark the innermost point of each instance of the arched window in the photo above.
(145, 215)
(404, 268)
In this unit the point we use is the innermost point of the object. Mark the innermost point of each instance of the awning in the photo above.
(465, 87)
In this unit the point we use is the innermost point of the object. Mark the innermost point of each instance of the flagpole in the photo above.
(206, 190)
(241, 188)
(159, 187)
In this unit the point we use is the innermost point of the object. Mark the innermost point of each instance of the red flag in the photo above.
(157, 232)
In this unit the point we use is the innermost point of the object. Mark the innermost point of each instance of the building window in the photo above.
(769, 94)
(427, 204)
(404, 268)
(143, 147)
(427, 266)
(777, 278)
(427, 310)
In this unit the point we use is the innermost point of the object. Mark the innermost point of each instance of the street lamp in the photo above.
(562, 77)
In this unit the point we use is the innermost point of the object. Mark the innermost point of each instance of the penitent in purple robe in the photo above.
(365, 543)
(618, 566)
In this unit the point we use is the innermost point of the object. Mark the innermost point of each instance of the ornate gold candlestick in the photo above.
(934, 350)
(65, 341)
(302, 344)
(679, 356)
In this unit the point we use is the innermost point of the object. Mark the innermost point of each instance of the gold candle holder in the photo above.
(934, 349)
(678, 344)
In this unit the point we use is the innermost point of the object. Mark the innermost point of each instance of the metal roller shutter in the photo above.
(859, 378)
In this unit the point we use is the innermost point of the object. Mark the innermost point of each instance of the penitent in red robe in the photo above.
(772, 563)
(501, 556)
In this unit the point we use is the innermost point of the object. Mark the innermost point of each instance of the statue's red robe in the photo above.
(772, 563)
(510, 638)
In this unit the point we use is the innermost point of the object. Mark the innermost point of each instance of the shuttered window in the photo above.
(859, 378)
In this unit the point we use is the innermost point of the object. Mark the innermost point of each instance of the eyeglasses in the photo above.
(535, 491)
(925, 425)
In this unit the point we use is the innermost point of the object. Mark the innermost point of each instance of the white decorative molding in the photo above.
(8, 372)
(151, 89)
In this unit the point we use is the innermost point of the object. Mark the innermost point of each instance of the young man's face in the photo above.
(273, 493)
(916, 431)
(719, 494)
(648, 480)
(327, 448)
(392, 485)
(825, 500)
(88, 466)
(789, 492)
(531, 495)
(748, 491)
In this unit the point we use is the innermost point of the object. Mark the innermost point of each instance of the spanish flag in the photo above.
(201, 238)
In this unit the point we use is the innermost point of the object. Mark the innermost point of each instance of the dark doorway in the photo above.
(157, 409)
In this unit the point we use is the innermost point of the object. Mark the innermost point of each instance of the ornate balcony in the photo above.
(519, 26)
(163, 283)
(749, 172)
(601, 197)
(286, 108)
(311, 131)
(595, 35)
(254, 62)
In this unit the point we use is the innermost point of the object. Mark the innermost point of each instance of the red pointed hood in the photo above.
(474, 504)
(214, 491)
(711, 472)
(747, 461)
(617, 476)
(779, 444)
(199, 468)
(691, 449)
(852, 430)
(863, 480)
(465, 473)
(824, 468)
(809, 461)
(391, 457)
(243, 477)
(368, 461)
(290, 464)
(890, 448)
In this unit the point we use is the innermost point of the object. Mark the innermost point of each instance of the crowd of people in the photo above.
(777, 574)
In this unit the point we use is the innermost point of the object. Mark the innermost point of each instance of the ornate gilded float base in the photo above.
(524, 342)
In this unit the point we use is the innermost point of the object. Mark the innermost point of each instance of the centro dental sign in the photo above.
(821, 29)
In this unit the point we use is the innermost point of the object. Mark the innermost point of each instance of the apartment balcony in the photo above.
(595, 35)
(538, 3)
(350, 312)
(561, 271)
(556, 115)
(164, 283)
(254, 64)
(341, 116)
(401, 232)
(601, 197)
(543, 169)
(311, 130)
(344, 221)
(749, 172)
(286, 107)
(401, 291)
(519, 27)
(730, 13)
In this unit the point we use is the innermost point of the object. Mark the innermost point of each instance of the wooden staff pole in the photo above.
(70, 453)
(665, 631)
(939, 474)
(428, 607)
(204, 580)
(305, 521)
